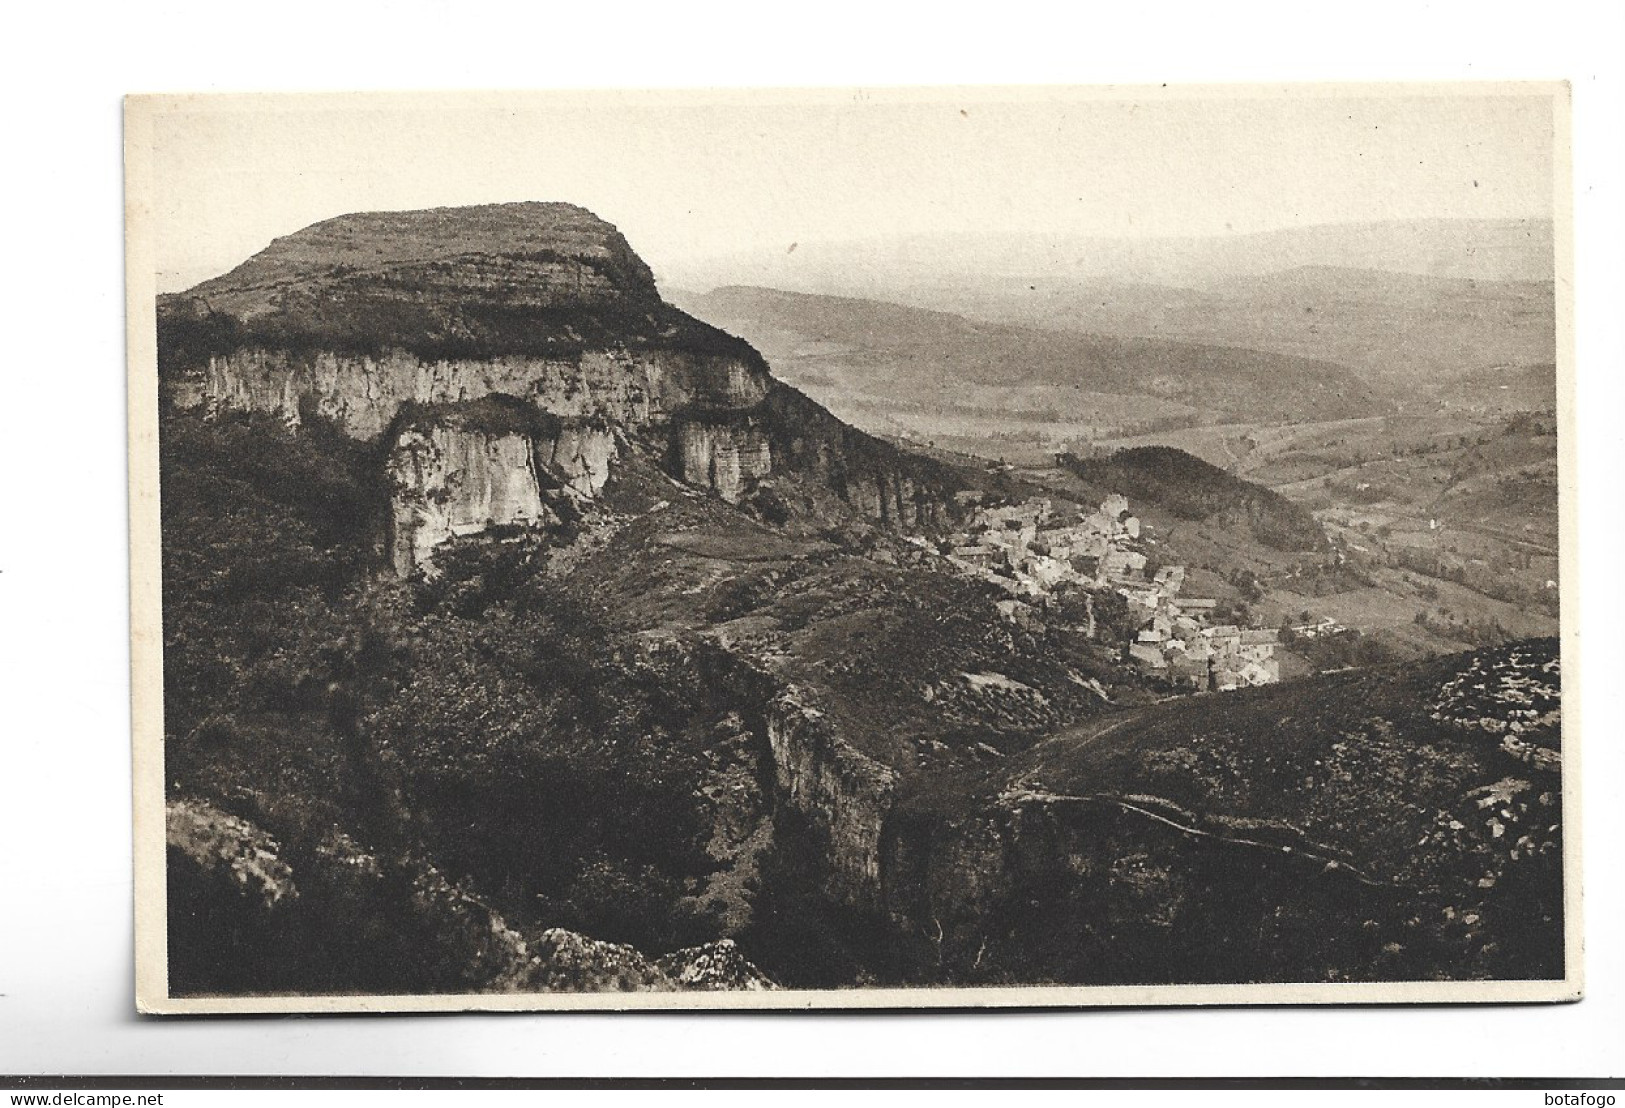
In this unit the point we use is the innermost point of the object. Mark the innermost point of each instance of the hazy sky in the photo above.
(708, 174)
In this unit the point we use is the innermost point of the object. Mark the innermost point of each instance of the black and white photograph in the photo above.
(852, 548)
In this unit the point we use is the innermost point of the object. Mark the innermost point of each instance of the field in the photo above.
(999, 387)
(1406, 330)
(1444, 525)
(894, 393)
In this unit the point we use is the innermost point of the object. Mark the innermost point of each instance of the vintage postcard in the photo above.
(852, 548)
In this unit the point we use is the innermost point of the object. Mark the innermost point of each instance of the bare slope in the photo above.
(532, 278)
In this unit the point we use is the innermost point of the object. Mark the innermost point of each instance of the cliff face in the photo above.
(847, 794)
(888, 486)
(450, 481)
(723, 457)
(1164, 849)
(460, 469)
(371, 319)
(362, 393)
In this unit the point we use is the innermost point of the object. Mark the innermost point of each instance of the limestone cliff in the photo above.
(371, 320)
(450, 481)
(811, 766)
(460, 469)
(722, 456)
(889, 486)
(363, 392)
(846, 793)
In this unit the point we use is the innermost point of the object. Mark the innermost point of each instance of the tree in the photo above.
(1116, 624)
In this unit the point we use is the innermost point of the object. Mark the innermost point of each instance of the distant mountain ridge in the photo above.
(1402, 303)
(1496, 249)
(920, 356)
(1398, 330)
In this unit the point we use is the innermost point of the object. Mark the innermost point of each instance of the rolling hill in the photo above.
(1404, 303)
(886, 267)
(931, 374)
(1399, 331)
(1192, 489)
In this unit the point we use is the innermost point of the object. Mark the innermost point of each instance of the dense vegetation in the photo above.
(366, 314)
(1446, 832)
(502, 732)
(1190, 488)
(484, 724)
(397, 768)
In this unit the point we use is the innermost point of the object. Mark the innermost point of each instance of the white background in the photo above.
(65, 915)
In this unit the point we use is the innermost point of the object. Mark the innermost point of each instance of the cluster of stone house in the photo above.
(1027, 551)
(1178, 639)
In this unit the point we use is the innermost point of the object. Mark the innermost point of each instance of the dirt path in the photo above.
(1090, 732)
(1313, 856)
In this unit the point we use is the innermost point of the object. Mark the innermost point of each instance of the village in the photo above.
(1034, 554)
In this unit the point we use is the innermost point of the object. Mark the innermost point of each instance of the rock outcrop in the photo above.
(566, 962)
(724, 457)
(230, 850)
(245, 926)
(461, 469)
(371, 321)
(363, 392)
(845, 793)
(889, 486)
(714, 967)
